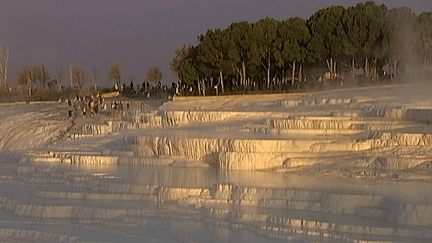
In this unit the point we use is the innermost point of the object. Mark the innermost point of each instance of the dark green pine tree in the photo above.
(328, 35)
(265, 33)
(242, 49)
(424, 42)
(293, 37)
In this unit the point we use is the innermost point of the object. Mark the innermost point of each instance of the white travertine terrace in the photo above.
(334, 166)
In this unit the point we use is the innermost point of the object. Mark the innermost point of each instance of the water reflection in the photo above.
(199, 177)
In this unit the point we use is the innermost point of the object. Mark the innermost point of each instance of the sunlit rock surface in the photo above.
(350, 165)
(26, 126)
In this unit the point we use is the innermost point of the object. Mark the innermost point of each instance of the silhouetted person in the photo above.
(96, 108)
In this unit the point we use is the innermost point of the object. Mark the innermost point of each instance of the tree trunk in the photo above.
(4, 59)
(334, 69)
(268, 73)
(244, 73)
(391, 70)
(6, 68)
(30, 81)
(328, 65)
(331, 68)
(222, 81)
(353, 67)
(293, 73)
(395, 68)
(375, 72)
(5, 73)
(300, 74)
(203, 87)
(366, 68)
(199, 87)
(70, 75)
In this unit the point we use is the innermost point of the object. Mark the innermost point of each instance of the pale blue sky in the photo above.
(139, 34)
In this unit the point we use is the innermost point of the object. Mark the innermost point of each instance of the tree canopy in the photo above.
(115, 72)
(178, 60)
(80, 76)
(270, 52)
(32, 73)
(424, 45)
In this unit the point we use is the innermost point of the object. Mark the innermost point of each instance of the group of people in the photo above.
(119, 105)
(90, 106)
(85, 106)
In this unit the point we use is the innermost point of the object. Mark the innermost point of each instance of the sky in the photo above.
(138, 34)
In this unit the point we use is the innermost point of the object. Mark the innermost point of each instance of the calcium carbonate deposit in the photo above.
(351, 165)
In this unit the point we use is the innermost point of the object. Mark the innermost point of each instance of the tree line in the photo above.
(271, 52)
(38, 74)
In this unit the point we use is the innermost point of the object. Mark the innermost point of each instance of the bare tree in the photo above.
(71, 81)
(80, 76)
(4, 64)
(115, 72)
(28, 75)
(96, 75)
(43, 75)
(60, 73)
(154, 75)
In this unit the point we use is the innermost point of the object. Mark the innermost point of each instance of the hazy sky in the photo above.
(139, 34)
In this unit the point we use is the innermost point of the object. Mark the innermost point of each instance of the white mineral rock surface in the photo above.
(351, 165)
